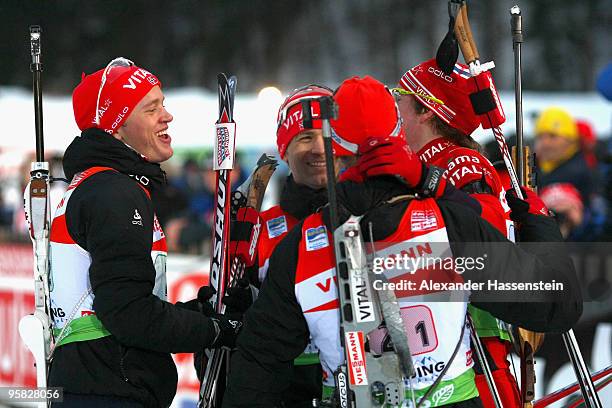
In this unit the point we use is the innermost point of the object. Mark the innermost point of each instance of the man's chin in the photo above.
(319, 182)
(162, 155)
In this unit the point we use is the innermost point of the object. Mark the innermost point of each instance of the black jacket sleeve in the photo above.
(122, 274)
(542, 260)
(275, 332)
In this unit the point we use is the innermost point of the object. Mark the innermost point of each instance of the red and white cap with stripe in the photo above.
(290, 116)
(454, 90)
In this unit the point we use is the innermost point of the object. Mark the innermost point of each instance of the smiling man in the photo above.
(113, 327)
(300, 144)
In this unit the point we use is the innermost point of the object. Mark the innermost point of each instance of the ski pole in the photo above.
(587, 388)
(472, 58)
(328, 111)
(605, 374)
(484, 363)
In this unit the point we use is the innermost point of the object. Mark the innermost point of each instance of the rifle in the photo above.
(460, 35)
(524, 161)
(470, 54)
(35, 329)
(362, 381)
(529, 342)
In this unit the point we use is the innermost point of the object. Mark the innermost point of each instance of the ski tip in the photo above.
(232, 81)
(224, 80)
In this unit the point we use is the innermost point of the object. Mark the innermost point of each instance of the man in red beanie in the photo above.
(114, 330)
(439, 120)
(300, 145)
(298, 300)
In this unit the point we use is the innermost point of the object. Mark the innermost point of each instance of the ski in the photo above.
(223, 163)
(249, 194)
(362, 380)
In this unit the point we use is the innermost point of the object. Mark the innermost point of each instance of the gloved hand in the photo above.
(227, 327)
(200, 303)
(245, 235)
(531, 204)
(380, 156)
(351, 174)
(391, 156)
(240, 297)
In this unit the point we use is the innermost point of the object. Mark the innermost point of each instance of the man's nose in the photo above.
(318, 147)
(167, 116)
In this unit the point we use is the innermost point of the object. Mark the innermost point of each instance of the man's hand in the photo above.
(201, 303)
(240, 297)
(531, 204)
(227, 327)
(391, 156)
(245, 235)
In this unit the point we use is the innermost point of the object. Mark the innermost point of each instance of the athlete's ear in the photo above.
(425, 116)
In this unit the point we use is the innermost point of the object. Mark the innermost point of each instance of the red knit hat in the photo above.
(427, 78)
(561, 194)
(290, 120)
(366, 109)
(115, 91)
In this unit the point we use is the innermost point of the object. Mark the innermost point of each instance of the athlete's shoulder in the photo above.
(110, 188)
(473, 155)
(467, 165)
(271, 212)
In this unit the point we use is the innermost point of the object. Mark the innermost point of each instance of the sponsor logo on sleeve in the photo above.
(276, 226)
(316, 238)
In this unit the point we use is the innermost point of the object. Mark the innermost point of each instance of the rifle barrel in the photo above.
(36, 68)
(517, 38)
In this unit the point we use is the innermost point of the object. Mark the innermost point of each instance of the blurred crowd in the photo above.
(186, 206)
(573, 169)
(573, 173)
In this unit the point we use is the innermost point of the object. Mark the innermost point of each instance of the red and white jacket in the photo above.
(316, 293)
(465, 166)
(277, 223)
(71, 294)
